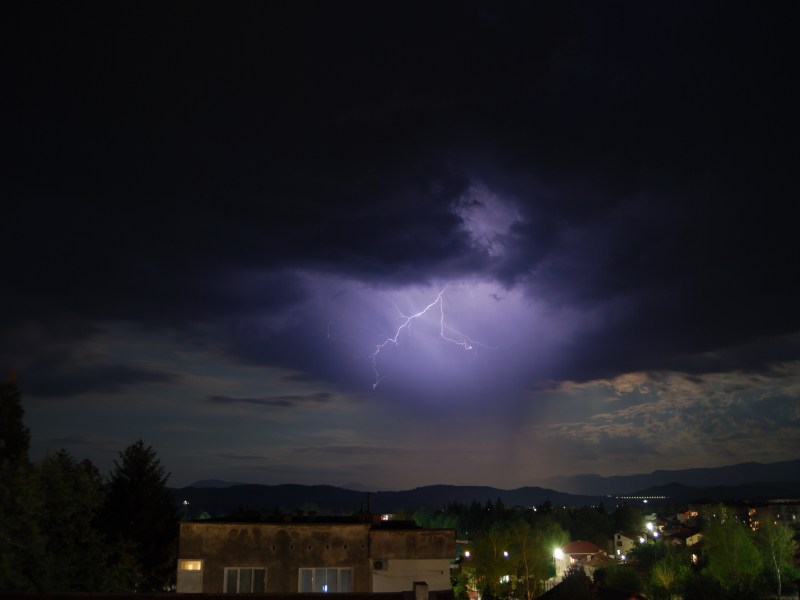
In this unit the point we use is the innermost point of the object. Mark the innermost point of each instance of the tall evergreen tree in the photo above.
(15, 438)
(78, 557)
(141, 512)
(21, 541)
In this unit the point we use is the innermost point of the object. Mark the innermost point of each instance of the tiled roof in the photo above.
(581, 547)
(600, 560)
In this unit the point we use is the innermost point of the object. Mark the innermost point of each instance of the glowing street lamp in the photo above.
(558, 555)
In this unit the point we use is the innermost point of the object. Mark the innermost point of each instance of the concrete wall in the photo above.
(406, 556)
(398, 575)
(282, 549)
(382, 560)
(413, 543)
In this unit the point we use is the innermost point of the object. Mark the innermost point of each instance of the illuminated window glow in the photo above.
(191, 565)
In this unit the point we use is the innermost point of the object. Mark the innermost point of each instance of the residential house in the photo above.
(579, 552)
(625, 541)
(684, 536)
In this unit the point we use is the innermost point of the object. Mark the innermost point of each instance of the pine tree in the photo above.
(78, 557)
(15, 438)
(141, 514)
(21, 541)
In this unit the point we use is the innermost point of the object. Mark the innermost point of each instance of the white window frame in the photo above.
(328, 570)
(239, 570)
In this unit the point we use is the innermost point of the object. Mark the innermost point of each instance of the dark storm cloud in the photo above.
(108, 379)
(79, 441)
(601, 189)
(282, 401)
(349, 450)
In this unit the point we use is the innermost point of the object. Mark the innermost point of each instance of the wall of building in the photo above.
(398, 575)
(381, 560)
(282, 549)
(411, 544)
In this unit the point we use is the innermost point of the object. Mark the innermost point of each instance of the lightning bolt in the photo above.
(446, 332)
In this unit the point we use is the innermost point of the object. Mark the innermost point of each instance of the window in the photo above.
(322, 579)
(191, 565)
(245, 580)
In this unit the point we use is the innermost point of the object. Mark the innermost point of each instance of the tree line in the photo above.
(64, 527)
(511, 553)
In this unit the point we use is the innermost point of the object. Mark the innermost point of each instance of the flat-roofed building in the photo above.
(316, 556)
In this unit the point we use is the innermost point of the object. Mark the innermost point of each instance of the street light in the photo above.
(558, 554)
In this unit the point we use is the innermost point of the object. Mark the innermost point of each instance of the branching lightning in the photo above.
(446, 332)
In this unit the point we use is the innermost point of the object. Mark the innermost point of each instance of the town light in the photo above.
(649, 526)
(467, 554)
(558, 554)
(505, 553)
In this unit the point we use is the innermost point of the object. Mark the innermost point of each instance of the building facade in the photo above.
(312, 557)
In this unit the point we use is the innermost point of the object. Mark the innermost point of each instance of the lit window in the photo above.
(322, 579)
(245, 580)
(190, 565)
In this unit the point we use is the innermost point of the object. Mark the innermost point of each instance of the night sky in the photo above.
(401, 244)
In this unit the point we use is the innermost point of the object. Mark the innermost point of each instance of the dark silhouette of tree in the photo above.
(15, 438)
(621, 577)
(576, 585)
(141, 513)
(78, 558)
(21, 541)
(588, 523)
(627, 518)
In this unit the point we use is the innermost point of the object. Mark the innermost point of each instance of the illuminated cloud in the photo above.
(214, 258)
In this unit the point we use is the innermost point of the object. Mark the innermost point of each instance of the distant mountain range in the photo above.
(751, 481)
(717, 476)
(330, 500)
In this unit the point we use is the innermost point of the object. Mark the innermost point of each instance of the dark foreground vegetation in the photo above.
(66, 528)
(511, 554)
